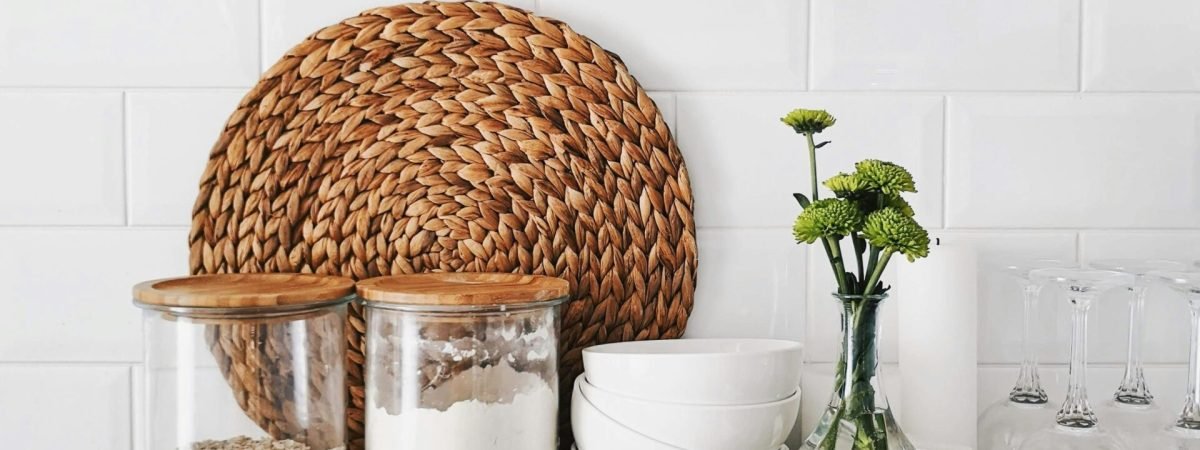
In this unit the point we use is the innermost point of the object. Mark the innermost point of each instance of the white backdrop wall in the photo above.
(1035, 128)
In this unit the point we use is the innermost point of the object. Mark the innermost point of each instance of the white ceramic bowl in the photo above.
(596, 431)
(697, 371)
(700, 427)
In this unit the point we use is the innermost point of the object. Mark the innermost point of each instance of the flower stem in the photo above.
(875, 274)
(839, 266)
(812, 165)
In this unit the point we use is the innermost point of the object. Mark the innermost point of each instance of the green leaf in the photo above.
(851, 280)
(801, 199)
(821, 144)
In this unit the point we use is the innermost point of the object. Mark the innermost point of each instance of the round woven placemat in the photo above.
(468, 137)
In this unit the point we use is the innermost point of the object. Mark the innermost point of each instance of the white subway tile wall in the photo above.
(190, 43)
(1058, 129)
(61, 406)
(1030, 45)
(674, 45)
(169, 139)
(1149, 45)
(57, 176)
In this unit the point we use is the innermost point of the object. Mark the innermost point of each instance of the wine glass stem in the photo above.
(1028, 388)
(1076, 412)
(1190, 417)
(1133, 389)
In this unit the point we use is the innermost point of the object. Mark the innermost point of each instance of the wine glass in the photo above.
(1185, 433)
(1132, 412)
(1076, 426)
(1007, 422)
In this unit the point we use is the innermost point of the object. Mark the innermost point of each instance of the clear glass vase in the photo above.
(858, 415)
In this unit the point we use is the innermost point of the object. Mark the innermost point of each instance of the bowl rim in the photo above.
(587, 403)
(622, 348)
(583, 383)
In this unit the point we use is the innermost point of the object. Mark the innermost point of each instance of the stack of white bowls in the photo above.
(693, 394)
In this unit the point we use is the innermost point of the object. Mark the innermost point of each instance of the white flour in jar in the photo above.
(517, 411)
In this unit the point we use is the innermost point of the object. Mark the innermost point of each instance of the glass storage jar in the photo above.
(462, 361)
(245, 361)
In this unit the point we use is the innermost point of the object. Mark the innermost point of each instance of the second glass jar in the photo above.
(462, 361)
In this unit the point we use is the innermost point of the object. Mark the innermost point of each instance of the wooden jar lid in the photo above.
(247, 290)
(463, 289)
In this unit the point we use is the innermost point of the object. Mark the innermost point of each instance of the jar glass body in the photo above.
(216, 378)
(462, 378)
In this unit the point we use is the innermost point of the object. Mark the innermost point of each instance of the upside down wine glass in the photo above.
(1132, 413)
(1008, 422)
(1185, 433)
(1075, 425)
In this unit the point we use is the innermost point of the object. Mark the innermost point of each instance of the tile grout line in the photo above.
(126, 161)
(945, 159)
(808, 57)
(61, 363)
(1079, 49)
(1079, 247)
(850, 92)
(262, 39)
(85, 227)
(1184, 230)
(19, 89)
(133, 410)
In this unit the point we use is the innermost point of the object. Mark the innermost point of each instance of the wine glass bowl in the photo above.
(1182, 281)
(1138, 267)
(1021, 269)
(1081, 284)
(1063, 438)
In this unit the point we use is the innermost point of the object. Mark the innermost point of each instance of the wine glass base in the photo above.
(1133, 423)
(1076, 423)
(1062, 437)
(1133, 400)
(1028, 398)
(1006, 424)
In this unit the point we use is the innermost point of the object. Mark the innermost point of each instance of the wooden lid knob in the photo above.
(245, 290)
(465, 289)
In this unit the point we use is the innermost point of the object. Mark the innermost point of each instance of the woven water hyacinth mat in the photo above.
(463, 137)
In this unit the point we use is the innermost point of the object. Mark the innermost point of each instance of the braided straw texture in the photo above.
(302, 405)
(469, 137)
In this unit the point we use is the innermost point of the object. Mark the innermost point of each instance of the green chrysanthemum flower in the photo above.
(899, 204)
(845, 184)
(893, 231)
(806, 121)
(887, 177)
(827, 217)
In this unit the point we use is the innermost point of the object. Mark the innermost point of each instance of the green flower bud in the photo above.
(845, 185)
(898, 203)
(806, 121)
(891, 230)
(829, 217)
(884, 176)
